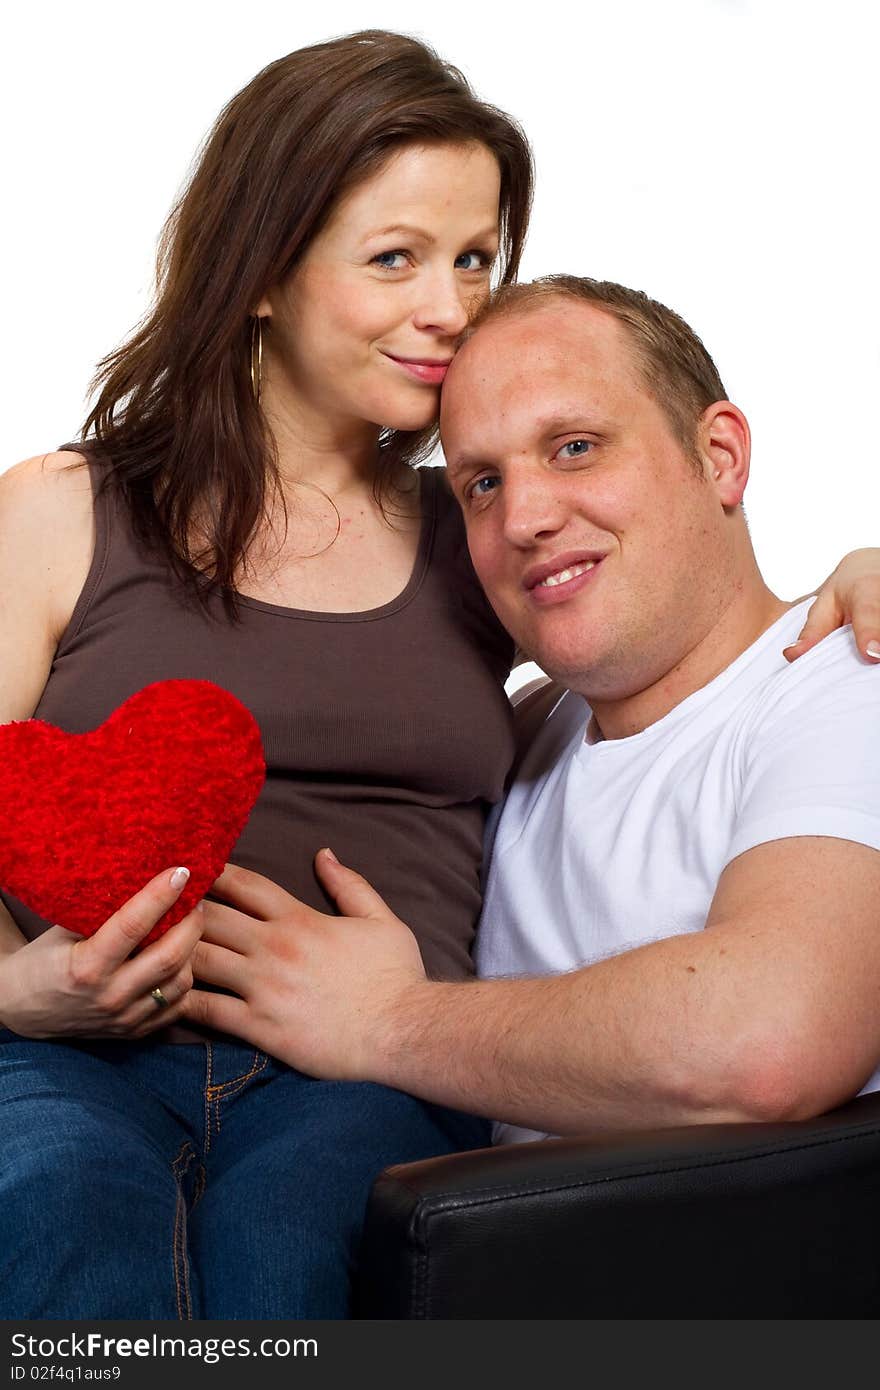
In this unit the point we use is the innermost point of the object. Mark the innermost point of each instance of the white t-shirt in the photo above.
(605, 846)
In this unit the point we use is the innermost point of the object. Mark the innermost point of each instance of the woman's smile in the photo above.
(431, 371)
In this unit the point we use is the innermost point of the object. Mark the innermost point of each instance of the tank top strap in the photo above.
(104, 505)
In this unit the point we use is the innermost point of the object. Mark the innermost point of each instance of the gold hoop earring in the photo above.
(257, 358)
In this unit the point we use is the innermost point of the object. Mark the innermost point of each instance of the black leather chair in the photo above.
(708, 1221)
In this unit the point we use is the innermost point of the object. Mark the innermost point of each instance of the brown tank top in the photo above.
(387, 734)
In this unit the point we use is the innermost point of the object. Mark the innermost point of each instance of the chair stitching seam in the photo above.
(632, 1170)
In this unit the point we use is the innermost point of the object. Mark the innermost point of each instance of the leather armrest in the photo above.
(727, 1221)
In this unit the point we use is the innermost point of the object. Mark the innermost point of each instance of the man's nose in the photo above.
(532, 508)
(444, 305)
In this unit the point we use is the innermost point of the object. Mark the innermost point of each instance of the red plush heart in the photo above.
(88, 819)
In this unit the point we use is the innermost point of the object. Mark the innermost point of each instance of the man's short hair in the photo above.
(675, 366)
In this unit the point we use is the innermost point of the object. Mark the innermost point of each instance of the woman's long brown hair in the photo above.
(175, 417)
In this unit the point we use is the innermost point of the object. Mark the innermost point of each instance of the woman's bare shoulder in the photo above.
(44, 479)
(52, 490)
(47, 533)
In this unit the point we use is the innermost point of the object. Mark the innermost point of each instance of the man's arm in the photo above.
(771, 1012)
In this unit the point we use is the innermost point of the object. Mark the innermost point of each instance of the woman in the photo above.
(250, 515)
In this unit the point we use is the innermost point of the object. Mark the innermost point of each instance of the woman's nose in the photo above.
(444, 306)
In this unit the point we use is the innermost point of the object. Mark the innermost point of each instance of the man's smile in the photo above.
(560, 578)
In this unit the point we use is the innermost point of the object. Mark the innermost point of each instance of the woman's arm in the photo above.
(46, 543)
(850, 594)
(47, 536)
(61, 984)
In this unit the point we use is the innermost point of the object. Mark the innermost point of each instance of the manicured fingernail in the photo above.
(330, 855)
(179, 878)
(873, 650)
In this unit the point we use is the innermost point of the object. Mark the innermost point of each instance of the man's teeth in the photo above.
(563, 576)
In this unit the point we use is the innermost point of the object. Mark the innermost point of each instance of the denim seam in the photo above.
(209, 1061)
(225, 1088)
(180, 1262)
(201, 1181)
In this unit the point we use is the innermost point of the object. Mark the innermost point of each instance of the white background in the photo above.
(720, 154)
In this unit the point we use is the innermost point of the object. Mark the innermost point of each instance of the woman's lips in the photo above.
(422, 368)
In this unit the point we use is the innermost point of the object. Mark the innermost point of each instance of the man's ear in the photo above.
(724, 444)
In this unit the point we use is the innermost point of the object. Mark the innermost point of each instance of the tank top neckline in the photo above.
(428, 509)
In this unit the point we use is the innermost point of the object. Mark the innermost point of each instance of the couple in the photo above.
(243, 508)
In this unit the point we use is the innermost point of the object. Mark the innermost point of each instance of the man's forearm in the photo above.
(727, 1023)
(768, 1013)
(637, 1041)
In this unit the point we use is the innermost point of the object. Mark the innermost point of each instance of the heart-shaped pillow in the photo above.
(88, 819)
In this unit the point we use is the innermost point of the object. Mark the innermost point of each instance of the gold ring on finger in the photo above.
(159, 998)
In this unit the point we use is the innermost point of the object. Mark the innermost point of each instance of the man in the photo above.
(683, 898)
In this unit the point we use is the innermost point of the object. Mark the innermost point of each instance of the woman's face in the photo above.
(363, 330)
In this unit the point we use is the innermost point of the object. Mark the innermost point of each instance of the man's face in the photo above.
(600, 546)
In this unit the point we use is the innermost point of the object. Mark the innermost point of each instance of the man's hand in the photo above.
(317, 992)
(727, 1024)
(851, 594)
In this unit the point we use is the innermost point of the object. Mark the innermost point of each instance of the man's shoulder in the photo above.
(761, 689)
(819, 712)
(834, 672)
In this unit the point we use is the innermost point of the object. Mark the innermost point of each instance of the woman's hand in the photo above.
(64, 985)
(315, 991)
(851, 594)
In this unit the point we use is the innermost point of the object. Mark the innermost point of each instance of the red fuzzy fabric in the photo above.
(88, 819)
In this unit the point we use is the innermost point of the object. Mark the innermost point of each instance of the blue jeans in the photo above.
(194, 1180)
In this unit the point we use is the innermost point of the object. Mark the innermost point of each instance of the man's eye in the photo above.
(390, 260)
(575, 448)
(483, 486)
(473, 260)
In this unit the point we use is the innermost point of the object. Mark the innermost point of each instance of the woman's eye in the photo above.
(473, 260)
(390, 260)
(575, 448)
